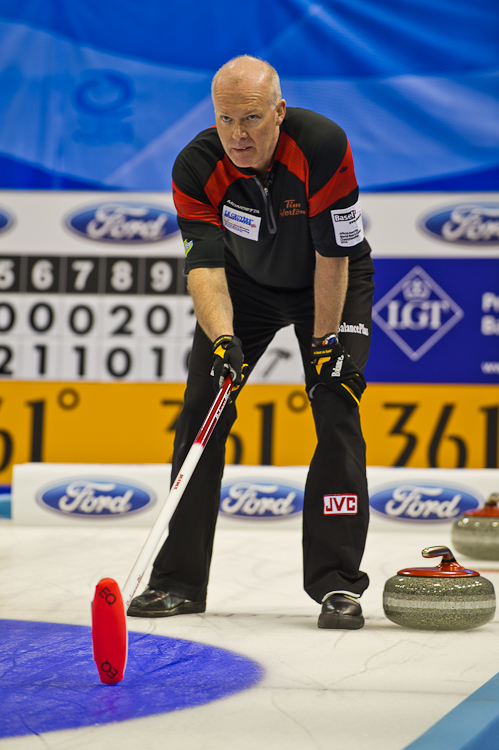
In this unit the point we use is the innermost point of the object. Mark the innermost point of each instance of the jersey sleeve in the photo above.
(335, 216)
(198, 220)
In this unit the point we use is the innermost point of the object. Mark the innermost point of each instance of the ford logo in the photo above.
(250, 498)
(123, 222)
(5, 500)
(89, 497)
(423, 502)
(6, 220)
(464, 224)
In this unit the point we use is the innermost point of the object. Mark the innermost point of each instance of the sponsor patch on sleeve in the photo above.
(348, 227)
(241, 223)
(341, 505)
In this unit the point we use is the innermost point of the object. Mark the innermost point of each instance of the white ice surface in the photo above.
(375, 689)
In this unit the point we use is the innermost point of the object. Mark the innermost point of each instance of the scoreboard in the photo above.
(92, 292)
(94, 318)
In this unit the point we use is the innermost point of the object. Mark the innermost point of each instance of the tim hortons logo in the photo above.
(341, 505)
(292, 208)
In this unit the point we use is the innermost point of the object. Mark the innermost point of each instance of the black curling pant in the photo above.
(333, 544)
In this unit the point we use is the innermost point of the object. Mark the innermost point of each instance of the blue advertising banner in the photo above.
(104, 95)
(435, 321)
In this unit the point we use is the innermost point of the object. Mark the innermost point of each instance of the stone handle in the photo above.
(493, 500)
(447, 555)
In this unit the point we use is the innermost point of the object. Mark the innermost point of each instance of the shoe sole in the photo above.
(188, 608)
(340, 622)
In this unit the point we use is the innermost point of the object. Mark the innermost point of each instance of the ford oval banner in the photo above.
(423, 502)
(260, 498)
(6, 220)
(123, 222)
(464, 223)
(88, 497)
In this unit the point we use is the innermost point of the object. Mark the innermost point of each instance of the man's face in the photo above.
(247, 124)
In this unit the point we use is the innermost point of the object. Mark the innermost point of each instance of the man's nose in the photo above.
(239, 131)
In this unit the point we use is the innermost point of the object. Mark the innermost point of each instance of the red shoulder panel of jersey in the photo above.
(222, 177)
(190, 208)
(290, 154)
(341, 184)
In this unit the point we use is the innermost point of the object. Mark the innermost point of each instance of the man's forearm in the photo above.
(212, 302)
(330, 288)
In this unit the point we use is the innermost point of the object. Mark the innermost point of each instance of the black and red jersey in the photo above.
(308, 202)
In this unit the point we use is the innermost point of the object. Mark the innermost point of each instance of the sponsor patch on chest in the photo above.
(241, 223)
(348, 227)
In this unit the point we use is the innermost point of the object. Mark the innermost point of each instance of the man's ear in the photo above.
(281, 111)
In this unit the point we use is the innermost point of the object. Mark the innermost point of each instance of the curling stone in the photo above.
(476, 532)
(448, 597)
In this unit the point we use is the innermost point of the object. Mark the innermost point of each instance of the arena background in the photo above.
(97, 100)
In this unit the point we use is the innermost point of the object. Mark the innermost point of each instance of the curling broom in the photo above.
(110, 605)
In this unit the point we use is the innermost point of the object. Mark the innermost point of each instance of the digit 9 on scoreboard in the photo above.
(161, 276)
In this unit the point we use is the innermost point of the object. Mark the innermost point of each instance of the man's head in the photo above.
(249, 109)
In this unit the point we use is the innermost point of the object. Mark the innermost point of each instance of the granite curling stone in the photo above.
(476, 533)
(448, 597)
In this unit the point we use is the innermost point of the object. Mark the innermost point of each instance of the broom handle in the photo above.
(176, 492)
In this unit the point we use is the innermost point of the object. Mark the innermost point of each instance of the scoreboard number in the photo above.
(82, 269)
(8, 274)
(61, 319)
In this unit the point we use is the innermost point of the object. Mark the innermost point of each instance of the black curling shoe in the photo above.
(154, 603)
(341, 612)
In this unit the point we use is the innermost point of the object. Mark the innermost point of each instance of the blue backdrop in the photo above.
(104, 94)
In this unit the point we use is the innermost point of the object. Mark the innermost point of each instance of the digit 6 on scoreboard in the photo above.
(43, 274)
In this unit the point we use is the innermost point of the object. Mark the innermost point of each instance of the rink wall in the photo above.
(132, 495)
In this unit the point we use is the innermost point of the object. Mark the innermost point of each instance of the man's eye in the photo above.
(225, 118)
(252, 117)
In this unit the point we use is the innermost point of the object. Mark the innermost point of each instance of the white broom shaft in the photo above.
(160, 525)
(176, 492)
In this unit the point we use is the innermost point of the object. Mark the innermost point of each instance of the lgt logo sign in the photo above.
(416, 313)
(341, 505)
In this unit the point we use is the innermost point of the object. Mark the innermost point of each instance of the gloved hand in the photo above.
(227, 360)
(334, 368)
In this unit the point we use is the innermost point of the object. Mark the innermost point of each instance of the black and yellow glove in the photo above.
(228, 359)
(333, 367)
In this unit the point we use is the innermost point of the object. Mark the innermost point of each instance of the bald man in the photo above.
(268, 206)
